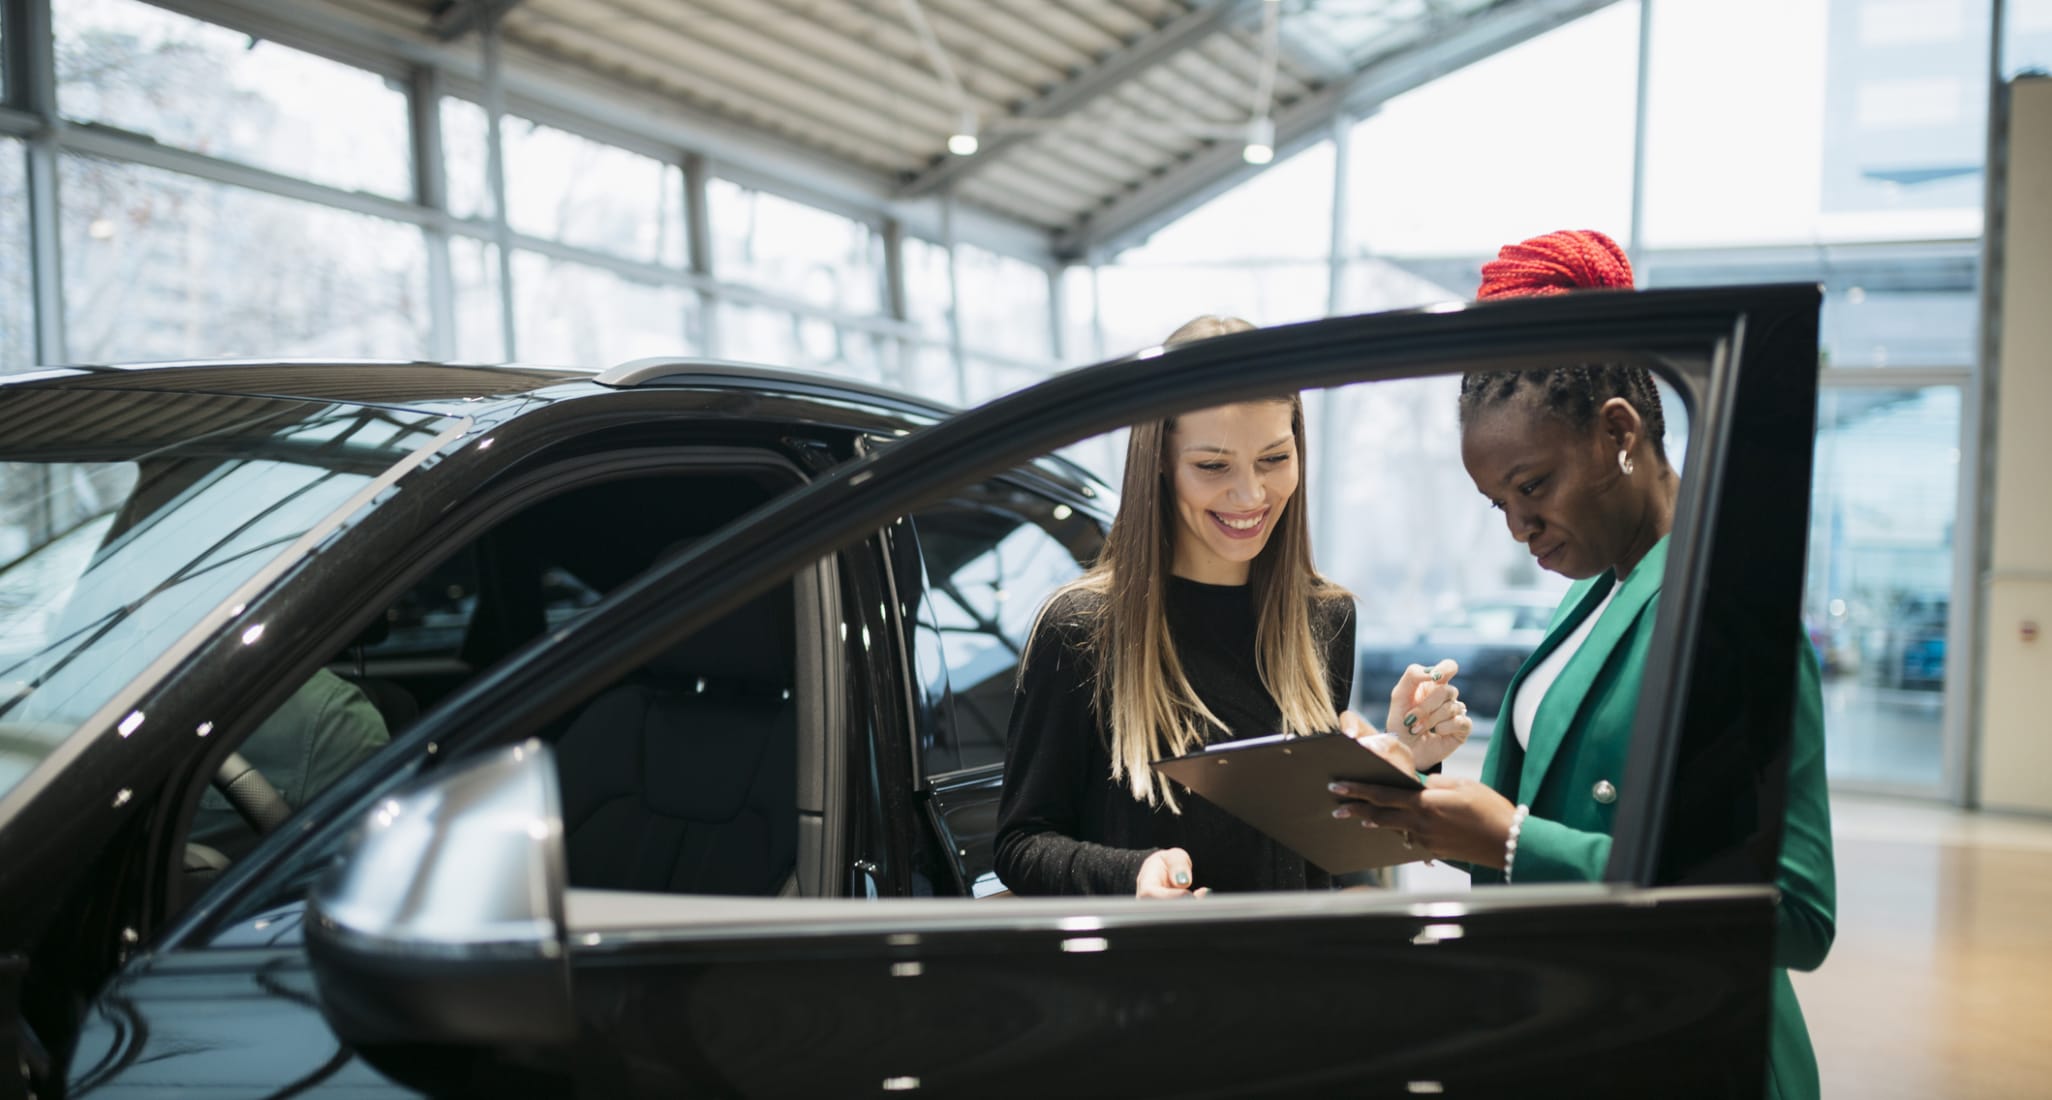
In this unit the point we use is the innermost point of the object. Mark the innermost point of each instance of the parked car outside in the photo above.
(700, 793)
(1489, 637)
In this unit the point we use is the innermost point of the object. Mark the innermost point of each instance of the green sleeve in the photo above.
(1551, 852)
(346, 731)
(1809, 893)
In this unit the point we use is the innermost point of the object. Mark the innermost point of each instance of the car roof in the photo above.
(510, 390)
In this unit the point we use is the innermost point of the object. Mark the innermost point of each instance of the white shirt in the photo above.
(1524, 708)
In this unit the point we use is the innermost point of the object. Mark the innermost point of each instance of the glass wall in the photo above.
(232, 196)
(1849, 154)
(1856, 120)
(1879, 597)
(210, 90)
(163, 266)
(17, 312)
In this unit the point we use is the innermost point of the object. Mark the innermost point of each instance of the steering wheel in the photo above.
(251, 794)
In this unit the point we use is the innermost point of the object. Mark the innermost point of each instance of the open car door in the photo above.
(1654, 981)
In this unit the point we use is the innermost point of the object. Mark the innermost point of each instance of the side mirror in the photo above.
(438, 940)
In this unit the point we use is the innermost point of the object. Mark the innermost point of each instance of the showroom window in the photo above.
(1878, 603)
(1855, 121)
(474, 282)
(17, 301)
(164, 266)
(211, 90)
(573, 314)
(783, 338)
(1004, 305)
(1536, 138)
(794, 250)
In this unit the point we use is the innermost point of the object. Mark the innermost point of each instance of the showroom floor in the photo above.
(1939, 986)
(1940, 983)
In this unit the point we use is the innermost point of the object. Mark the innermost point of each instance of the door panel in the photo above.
(964, 807)
(1557, 997)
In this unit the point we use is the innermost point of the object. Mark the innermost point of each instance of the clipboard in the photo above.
(1277, 784)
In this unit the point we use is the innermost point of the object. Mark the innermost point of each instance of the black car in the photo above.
(710, 668)
(1489, 638)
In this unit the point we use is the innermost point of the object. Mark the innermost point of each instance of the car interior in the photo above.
(684, 775)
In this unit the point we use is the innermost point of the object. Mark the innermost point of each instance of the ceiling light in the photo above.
(1260, 141)
(962, 142)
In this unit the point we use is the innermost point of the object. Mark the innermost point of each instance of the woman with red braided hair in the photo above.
(1573, 458)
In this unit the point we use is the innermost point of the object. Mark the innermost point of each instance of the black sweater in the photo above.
(1065, 827)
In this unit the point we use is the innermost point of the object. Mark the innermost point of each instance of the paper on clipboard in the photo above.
(1277, 784)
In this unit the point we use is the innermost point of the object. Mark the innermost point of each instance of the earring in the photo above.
(1624, 462)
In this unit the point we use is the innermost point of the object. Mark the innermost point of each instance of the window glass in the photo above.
(990, 379)
(117, 556)
(1463, 588)
(1283, 213)
(466, 145)
(1004, 304)
(1911, 305)
(991, 559)
(1141, 304)
(1079, 317)
(587, 316)
(929, 296)
(563, 187)
(212, 90)
(2029, 30)
(17, 301)
(795, 250)
(474, 273)
(163, 266)
(1878, 599)
(1476, 158)
(1857, 120)
(781, 338)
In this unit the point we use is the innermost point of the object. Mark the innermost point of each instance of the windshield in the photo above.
(125, 518)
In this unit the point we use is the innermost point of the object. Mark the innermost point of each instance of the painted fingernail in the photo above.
(1343, 812)
(1410, 720)
(1182, 878)
(1367, 824)
(1336, 788)
(1437, 676)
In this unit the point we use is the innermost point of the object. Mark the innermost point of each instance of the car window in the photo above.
(127, 518)
(991, 559)
(532, 572)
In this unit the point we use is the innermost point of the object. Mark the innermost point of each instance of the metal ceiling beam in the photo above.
(460, 17)
(564, 95)
(1086, 87)
(1132, 217)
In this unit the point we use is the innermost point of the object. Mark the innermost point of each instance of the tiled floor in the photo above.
(1940, 982)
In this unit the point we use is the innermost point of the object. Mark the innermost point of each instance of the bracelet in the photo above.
(1510, 843)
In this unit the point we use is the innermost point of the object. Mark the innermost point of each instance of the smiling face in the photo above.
(1232, 469)
(1561, 489)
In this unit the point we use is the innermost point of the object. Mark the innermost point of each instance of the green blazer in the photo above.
(1572, 777)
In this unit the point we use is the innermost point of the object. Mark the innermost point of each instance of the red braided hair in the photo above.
(1572, 259)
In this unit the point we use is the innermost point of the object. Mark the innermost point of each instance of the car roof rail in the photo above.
(670, 371)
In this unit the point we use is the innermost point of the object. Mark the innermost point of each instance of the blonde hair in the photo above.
(1142, 693)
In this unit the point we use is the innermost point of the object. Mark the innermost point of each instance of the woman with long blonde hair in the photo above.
(1203, 620)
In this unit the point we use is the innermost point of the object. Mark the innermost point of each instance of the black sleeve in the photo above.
(1050, 770)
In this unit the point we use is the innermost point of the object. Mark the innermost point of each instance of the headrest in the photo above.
(750, 647)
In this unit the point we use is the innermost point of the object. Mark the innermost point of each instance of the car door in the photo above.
(1654, 980)
(986, 559)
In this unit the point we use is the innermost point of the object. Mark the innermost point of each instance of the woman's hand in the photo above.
(1167, 874)
(1451, 818)
(1425, 713)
